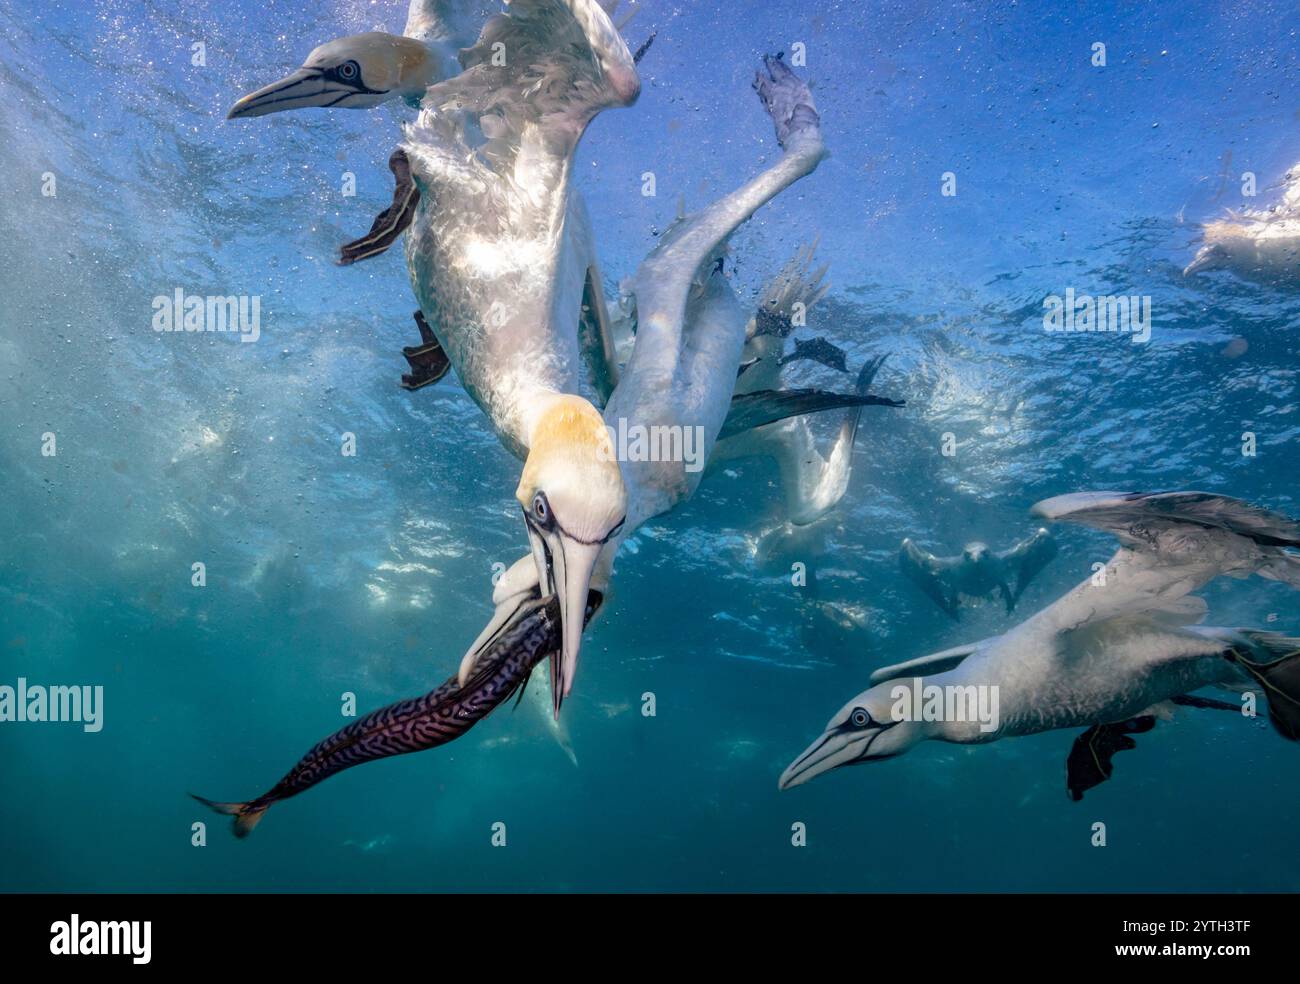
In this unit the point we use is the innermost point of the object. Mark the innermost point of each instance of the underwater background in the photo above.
(371, 574)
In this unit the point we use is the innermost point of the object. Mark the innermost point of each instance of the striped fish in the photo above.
(425, 722)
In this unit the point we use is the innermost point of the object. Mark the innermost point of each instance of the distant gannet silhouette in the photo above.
(1104, 656)
(977, 571)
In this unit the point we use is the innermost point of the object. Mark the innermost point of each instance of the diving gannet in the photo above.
(503, 264)
(1262, 244)
(1106, 652)
(500, 251)
(812, 484)
(977, 571)
(681, 377)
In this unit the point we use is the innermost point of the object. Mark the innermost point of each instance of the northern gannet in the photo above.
(1261, 244)
(500, 251)
(977, 571)
(1108, 651)
(503, 264)
(691, 330)
(812, 484)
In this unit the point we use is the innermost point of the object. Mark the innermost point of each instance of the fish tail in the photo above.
(246, 814)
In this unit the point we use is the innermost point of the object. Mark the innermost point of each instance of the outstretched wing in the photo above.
(1135, 517)
(1172, 543)
(1026, 559)
(665, 278)
(535, 78)
(939, 662)
(933, 575)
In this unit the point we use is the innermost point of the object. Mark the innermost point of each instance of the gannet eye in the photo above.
(541, 509)
(859, 718)
(349, 71)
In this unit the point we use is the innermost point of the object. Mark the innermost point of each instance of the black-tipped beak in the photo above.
(564, 568)
(305, 87)
(832, 749)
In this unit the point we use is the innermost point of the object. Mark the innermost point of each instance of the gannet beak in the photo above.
(830, 751)
(305, 87)
(854, 735)
(564, 567)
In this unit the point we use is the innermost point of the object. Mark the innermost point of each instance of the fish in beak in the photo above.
(575, 504)
(565, 566)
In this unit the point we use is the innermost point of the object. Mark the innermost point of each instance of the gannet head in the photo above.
(1211, 256)
(863, 730)
(355, 72)
(574, 504)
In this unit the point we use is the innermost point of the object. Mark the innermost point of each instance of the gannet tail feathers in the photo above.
(793, 284)
(1273, 661)
(392, 221)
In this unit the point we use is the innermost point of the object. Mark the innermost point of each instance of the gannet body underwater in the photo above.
(812, 484)
(681, 376)
(1257, 244)
(500, 250)
(503, 264)
(1111, 652)
(977, 572)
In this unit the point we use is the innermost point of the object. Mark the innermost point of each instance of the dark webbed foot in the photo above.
(1088, 764)
(788, 101)
(392, 221)
(429, 363)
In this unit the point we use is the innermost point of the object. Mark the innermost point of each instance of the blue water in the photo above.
(371, 574)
